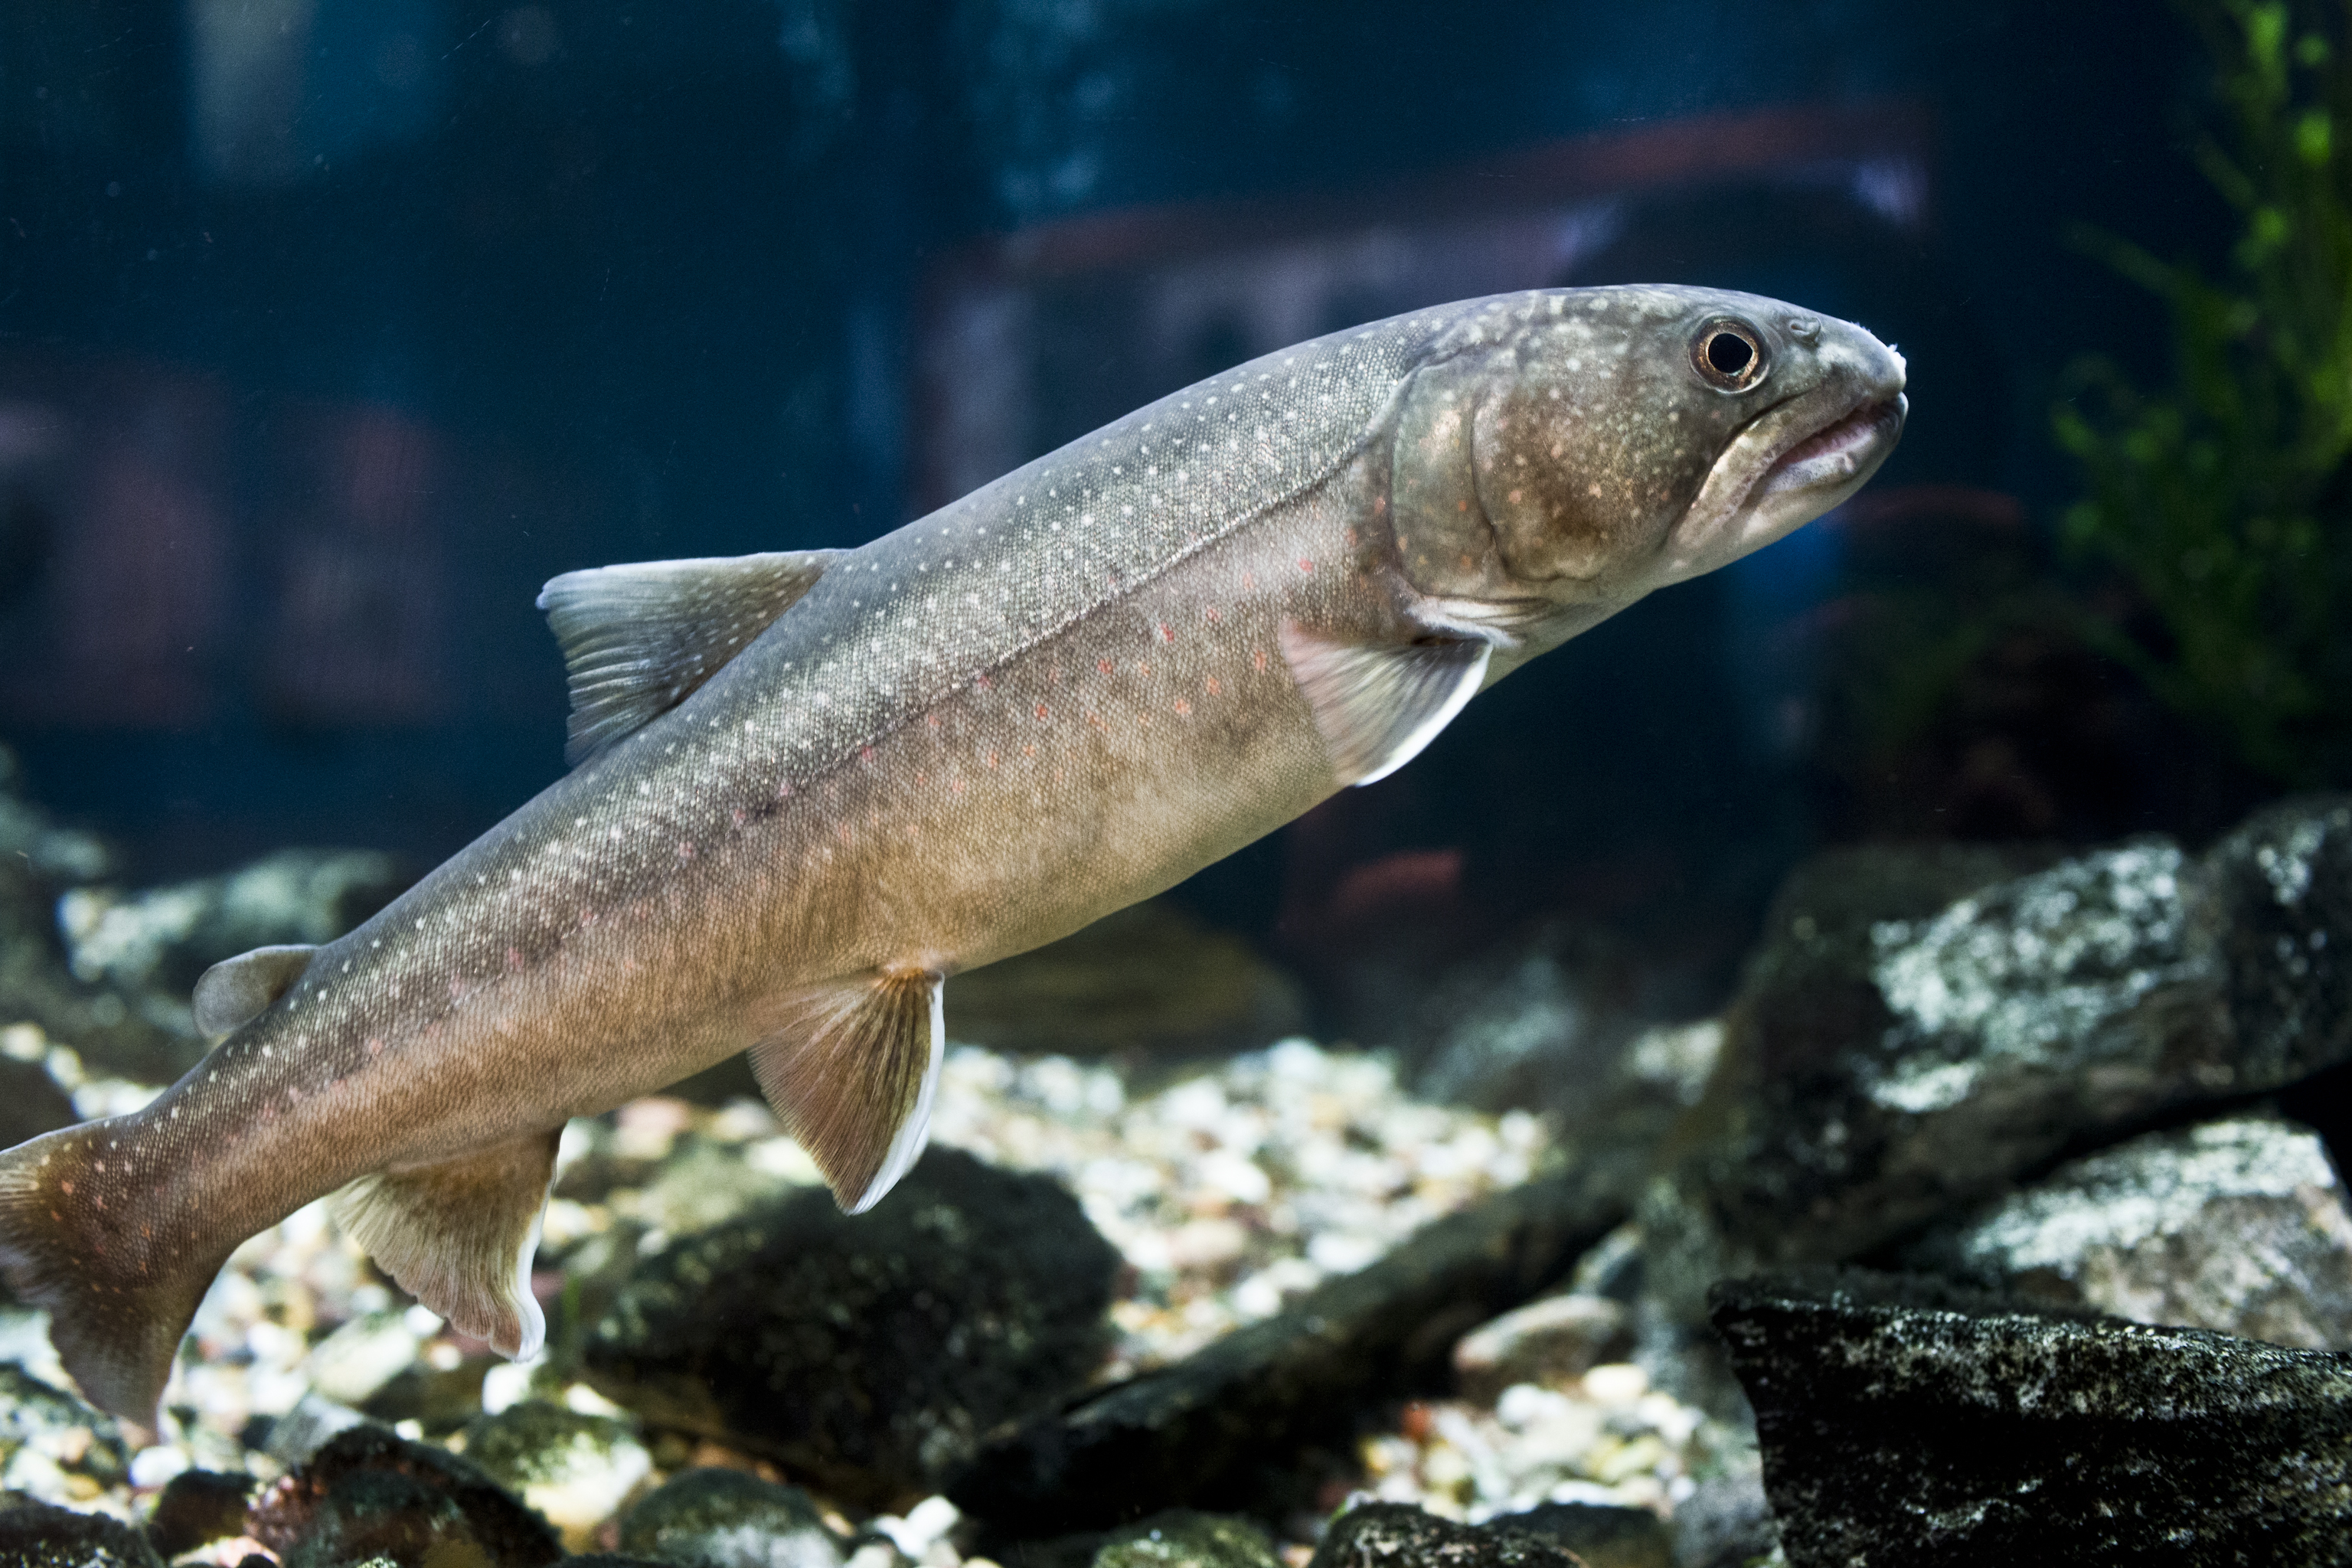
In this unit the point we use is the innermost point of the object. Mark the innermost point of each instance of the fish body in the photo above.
(816, 786)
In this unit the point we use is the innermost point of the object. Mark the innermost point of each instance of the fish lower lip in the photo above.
(1836, 450)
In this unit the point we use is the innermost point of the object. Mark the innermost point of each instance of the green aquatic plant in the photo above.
(2223, 499)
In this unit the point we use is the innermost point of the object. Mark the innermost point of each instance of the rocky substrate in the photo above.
(1276, 1307)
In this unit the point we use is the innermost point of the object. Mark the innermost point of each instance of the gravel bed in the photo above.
(1229, 1191)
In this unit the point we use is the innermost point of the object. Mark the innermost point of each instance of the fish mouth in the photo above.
(1837, 452)
(1788, 465)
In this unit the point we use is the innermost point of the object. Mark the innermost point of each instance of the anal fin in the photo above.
(1377, 705)
(851, 1069)
(459, 1236)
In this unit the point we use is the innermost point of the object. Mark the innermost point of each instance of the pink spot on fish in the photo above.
(738, 819)
(514, 958)
(685, 850)
(376, 1046)
(1166, 634)
(1305, 564)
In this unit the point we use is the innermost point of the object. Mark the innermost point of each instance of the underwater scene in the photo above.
(1166, 784)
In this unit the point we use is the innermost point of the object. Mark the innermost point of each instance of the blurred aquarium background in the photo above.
(330, 329)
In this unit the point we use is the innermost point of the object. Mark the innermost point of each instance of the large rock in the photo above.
(1909, 1422)
(1920, 1027)
(165, 937)
(369, 1494)
(872, 1353)
(1531, 1023)
(1399, 1535)
(37, 1535)
(2237, 1225)
(1224, 1426)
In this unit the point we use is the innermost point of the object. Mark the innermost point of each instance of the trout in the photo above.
(810, 787)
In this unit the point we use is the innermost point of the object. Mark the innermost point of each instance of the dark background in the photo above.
(330, 329)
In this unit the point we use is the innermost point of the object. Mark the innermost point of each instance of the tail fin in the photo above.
(78, 1241)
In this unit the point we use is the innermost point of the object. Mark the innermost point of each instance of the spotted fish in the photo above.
(813, 787)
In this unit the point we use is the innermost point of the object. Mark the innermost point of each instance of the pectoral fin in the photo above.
(236, 991)
(460, 1235)
(1378, 705)
(851, 1071)
(638, 639)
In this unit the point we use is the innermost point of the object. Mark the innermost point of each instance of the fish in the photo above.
(810, 787)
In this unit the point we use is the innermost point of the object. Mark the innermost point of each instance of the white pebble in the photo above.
(154, 1466)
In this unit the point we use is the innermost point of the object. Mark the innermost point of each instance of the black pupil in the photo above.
(1729, 352)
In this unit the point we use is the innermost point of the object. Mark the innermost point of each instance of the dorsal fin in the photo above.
(1378, 705)
(850, 1069)
(234, 992)
(638, 639)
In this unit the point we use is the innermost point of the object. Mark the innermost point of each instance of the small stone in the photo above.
(925, 1525)
(197, 1507)
(1398, 1535)
(725, 1518)
(2237, 1225)
(369, 1494)
(1182, 1537)
(356, 1361)
(577, 1469)
(39, 1535)
(315, 1421)
(1548, 1341)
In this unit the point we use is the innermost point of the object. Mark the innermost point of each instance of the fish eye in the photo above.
(1727, 355)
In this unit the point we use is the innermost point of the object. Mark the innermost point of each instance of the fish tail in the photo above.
(79, 1241)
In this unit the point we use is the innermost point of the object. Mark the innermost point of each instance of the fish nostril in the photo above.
(1804, 329)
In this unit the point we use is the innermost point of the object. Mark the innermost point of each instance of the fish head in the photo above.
(1587, 446)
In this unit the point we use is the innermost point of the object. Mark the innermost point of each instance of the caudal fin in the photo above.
(76, 1241)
